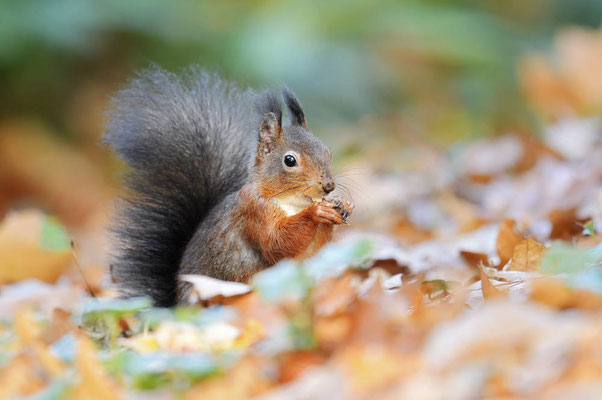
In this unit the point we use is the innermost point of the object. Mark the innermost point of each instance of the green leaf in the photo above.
(591, 230)
(284, 280)
(115, 306)
(151, 370)
(569, 260)
(54, 235)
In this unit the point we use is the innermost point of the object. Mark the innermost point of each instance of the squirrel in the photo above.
(217, 184)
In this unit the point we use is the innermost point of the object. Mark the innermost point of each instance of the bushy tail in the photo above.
(187, 144)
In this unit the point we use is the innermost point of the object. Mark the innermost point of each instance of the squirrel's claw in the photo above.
(344, 208)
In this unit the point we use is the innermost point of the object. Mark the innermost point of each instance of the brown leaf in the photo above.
(334, 295)
(95, 382)
(28, 332)
(489, 291)
(408, 233)
(533, 150)
(463, 212)
(246, 379)
(507, 239)
(22, 254)
(18, 378)
(565, 224)
(526, 255)
(294, 363)
(370, 368)
(332, 330)
(555, 294)
(568, 81)
(474, 260)
(59, 325)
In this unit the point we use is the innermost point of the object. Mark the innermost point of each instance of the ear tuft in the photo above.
(297, 114)
(268, 102)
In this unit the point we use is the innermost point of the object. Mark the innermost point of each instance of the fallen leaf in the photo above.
(332, 330)
(408, 233)
(95, 383)
(334, 295)
(243, 381)
(565, 224)
(489, 291)
(184, 336)
(475, 260)
(206, 288)
(526, 255)
(28, 332)
(41, 295)
(18, 378)
(32, 245)
(59, 325)
(293, 364)
(507, 239)
(556, 294)
(370, 368)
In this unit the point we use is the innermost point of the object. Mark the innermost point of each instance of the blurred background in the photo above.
(374, 77)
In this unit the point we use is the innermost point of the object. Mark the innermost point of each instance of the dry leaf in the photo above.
(334, 295)
(408, 233)
(332, 330)
(205, 287)
(27, 330)
(489, 291)
(23, 253)
(567, 83)
(526, 255)
(245, 380)
(475, 260)
(565, 224)
(18, 378)
(95, 383)
(370, 368)
(294, 363)
(59, 325)
(507, 239)
(555, 294)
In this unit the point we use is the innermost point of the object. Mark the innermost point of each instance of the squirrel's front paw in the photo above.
(326, 212)
(343, 206)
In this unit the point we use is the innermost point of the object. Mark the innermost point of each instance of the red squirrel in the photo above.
(218, 184)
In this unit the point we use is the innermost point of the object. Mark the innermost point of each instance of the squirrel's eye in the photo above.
(290, 161)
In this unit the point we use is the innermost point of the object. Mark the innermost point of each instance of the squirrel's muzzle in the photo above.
(328, 186)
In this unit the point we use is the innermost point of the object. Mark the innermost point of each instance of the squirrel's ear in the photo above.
(297, 114)
(269, 133)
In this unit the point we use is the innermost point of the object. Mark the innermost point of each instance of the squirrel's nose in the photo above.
(328, 186)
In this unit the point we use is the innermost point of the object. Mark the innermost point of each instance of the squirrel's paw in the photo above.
(327, 213)
(343, 206)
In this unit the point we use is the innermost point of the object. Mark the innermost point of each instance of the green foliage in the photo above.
(101, 317)
(581, 268)
(589, 228)
(54, 235)
(569, 260)
(441, 63)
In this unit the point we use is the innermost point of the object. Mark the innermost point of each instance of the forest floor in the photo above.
(468, 273)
